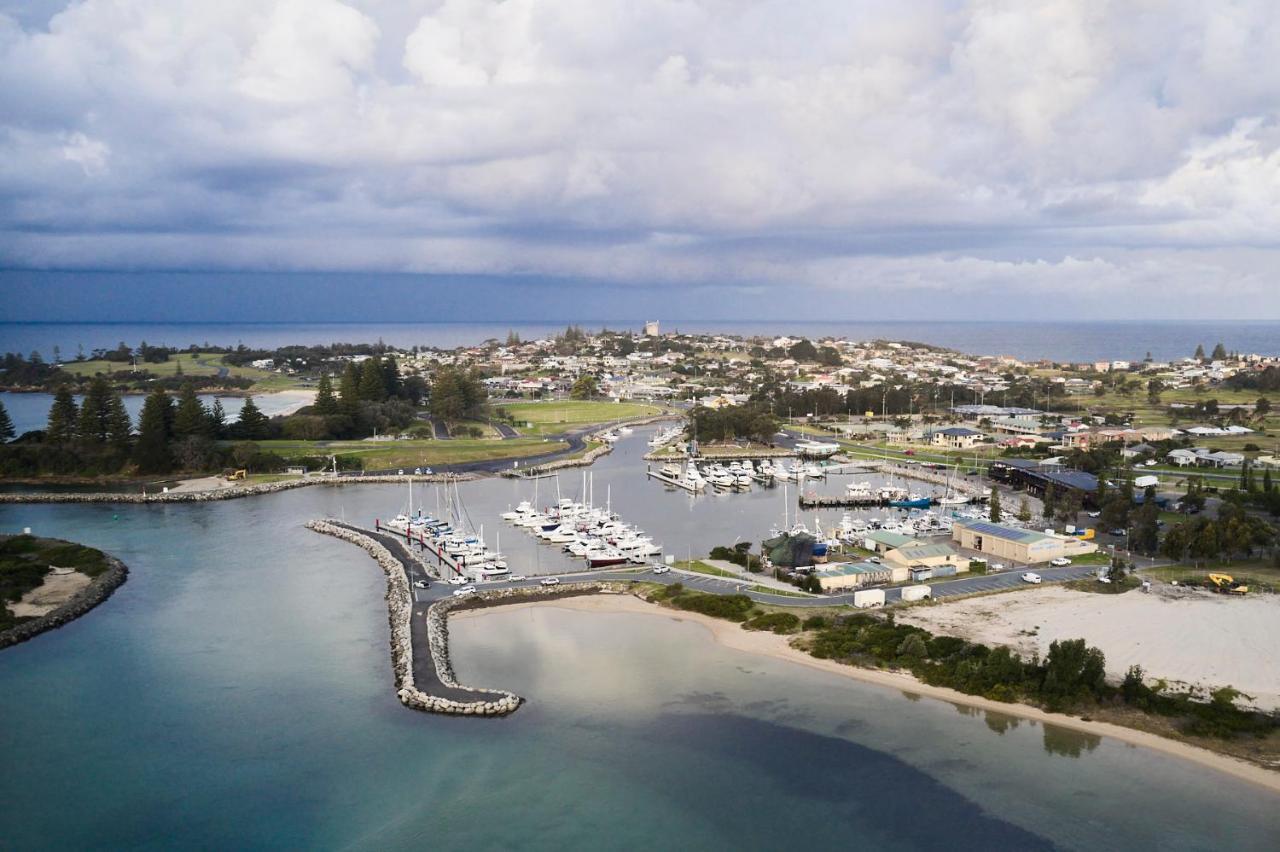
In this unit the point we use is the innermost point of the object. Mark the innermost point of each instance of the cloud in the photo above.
(985, 145)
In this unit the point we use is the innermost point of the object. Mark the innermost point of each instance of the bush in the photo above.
(815, 622)
(730, 607)
(778, 622)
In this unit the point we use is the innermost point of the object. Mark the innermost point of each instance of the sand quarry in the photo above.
(1180, 635)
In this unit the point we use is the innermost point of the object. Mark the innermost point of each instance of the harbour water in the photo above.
(236, 692)
(1074, 341)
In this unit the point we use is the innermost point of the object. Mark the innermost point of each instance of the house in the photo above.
(880, 541)
(955, 437)
(1220, 459)
(1182, 458)
(1135, 450)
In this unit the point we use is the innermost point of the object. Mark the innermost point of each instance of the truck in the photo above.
(916, 593)
(868, 598)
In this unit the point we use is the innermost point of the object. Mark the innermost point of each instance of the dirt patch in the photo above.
(57, 589)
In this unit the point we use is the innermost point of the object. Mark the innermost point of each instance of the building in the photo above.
(852, 575)
(879, 541)
(939, 559)
(651, 328)
(1034, 477)
(956, 438)
(1015, 544)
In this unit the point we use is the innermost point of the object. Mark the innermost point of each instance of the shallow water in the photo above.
(236, 692)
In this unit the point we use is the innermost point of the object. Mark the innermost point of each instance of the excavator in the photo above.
(1225, 584)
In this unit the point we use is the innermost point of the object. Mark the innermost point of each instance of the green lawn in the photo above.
(1255, 574)
(197, 364)
(701, 567)
(560, 415)
(410, 454)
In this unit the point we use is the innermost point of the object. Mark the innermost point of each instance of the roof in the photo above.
(1001, 531)
(891, 539)
(845, 569)
(956, 432)
(928, 551)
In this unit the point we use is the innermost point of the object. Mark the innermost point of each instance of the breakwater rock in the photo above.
(230, 493)
(444, 694)
(92, 595)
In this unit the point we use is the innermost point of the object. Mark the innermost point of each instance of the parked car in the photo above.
(421, 584)
(1120, 533)
(518, 578)
(1094, 514)
(1060, 562)
(550, 581)
(661, 569)
(996, 566)
(1029, 577)
(462, 593)
(457, 581)
(876, 559)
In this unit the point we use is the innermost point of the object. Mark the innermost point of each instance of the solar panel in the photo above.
(997, 531)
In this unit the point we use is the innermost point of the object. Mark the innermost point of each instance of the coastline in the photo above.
(97, 592)
(731, 635)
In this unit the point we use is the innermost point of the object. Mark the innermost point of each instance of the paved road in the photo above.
(439, 429)
(506, 431)
(730, 586)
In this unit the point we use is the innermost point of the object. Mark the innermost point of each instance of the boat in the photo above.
(953, 500)
(606, 557)
(670, 471)
(911, 503)
(816, 449)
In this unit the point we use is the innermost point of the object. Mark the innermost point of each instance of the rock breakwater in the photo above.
(92, 595)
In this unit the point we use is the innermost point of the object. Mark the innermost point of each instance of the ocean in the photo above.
(1059, 341)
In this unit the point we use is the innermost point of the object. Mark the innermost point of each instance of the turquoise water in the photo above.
(236, 693)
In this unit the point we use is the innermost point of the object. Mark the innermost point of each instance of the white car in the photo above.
(996, 566)
(457, 581)
(1060, 562)
(462, 593)
(1031, 578)
(421, 584)
(551, 581)
(519, 578)
(661, 569)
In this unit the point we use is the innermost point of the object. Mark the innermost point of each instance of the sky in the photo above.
(471, 159)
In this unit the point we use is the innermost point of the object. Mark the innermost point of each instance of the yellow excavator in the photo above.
(239, 474)
(1225, 584)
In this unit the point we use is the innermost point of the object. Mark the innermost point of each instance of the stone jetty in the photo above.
(230, 493)
(423, 673)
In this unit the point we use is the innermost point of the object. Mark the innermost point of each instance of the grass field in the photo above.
(559, 415)
(197, 364)
(411, 454)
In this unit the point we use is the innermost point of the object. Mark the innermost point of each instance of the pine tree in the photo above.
(190, 419)
(119, 426)
(95, 413)
(373, 386)
(62, 417)
(217, 420)
(1219, 353)
(253, 424)
(1266, 472)
(151, 452)
(349, 390)
(1199, 356)
(6, 424)
(994, 515)
(1024, 511)
(1050, 501)
(391, 378)
(326, 403)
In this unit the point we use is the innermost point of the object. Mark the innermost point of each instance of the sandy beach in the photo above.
(57, 589)
(1182, 636)
(733, 636)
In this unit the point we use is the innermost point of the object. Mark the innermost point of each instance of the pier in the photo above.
(662, 477)
(408, 537)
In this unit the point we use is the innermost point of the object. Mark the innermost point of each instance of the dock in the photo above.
(662, 477)
(426, 545)
(812, 501)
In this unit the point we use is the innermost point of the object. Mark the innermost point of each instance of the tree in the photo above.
(326, 404)
(994, 514)
(1267, 487)
(1050, 501)
(349, 390)
(1145, 537)
(119, 426)
(1024, 511)
(6, 424)
(253, 425)
(1199, 356)
(585, 387)
(1219, 353)
(1262, 407)
(151, 452)
(391, 383)
(95, 413)
(1070, 506)
(217, 420)
(1072, 672)
(373, 386)
(457, 396)
(63, 415)
(803, 350)
(190, 419)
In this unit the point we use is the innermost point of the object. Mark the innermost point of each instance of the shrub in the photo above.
(778, 622)
(730, 607)
(815, 622)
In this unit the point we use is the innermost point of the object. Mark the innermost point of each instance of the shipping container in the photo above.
(868, 598)
(916, 593)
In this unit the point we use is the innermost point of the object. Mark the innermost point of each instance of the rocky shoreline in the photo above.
(98, 591)
(232, 493)
(399, 597)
